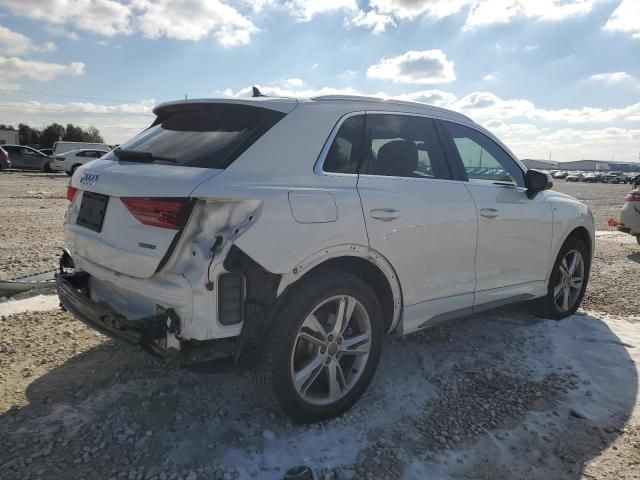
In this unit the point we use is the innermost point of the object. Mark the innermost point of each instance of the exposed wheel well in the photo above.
(582, 234)
(371, 275)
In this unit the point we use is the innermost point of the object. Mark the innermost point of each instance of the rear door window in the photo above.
(403, 146)
(202, 135)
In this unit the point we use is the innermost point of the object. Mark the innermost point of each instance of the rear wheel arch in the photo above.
(365, 264)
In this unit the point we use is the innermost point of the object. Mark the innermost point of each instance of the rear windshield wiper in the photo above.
(143, 157)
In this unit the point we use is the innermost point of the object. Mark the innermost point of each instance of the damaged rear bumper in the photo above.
(149, 332)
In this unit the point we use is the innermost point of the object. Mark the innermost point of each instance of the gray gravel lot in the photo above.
(498, 396)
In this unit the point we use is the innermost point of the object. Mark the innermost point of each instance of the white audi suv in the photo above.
(296, 233)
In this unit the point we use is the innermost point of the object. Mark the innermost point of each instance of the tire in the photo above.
(69, 173)
(552, 305)
(638, 239)
(287, 353)
(74, 168)
(47, 168)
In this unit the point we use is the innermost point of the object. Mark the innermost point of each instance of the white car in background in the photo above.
(64, 147)
(71, 160)
(296, 234)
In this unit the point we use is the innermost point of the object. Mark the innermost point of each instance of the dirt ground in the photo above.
(498, 396)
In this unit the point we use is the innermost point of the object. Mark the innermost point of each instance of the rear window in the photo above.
(205, 136)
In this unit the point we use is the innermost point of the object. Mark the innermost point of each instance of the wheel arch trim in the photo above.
(349, 250)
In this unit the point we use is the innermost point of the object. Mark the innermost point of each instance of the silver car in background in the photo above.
(630, 215)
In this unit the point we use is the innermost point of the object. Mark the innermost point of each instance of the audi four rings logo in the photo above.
(89, 178)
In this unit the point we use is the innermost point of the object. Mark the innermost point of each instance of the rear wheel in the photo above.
(323, 348)
(568, 281)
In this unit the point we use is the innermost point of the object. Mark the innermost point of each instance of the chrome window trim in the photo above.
(319, 170)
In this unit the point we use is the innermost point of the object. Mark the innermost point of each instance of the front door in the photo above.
(514, 232)
(423, 222)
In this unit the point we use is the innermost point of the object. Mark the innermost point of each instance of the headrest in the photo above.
(398, 158)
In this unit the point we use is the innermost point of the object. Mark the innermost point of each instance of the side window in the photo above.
(483, 159)
(403, 146)
(344, 153)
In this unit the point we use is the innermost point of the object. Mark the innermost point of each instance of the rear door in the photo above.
(417, 217)
(514, 232)
(132, 203)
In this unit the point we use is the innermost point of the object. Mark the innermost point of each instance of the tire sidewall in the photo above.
(551, 308)
(299, 304)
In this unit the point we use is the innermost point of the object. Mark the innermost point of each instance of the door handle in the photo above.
(489, 212)
(385, 214)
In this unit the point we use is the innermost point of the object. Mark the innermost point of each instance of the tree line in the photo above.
(46, 137)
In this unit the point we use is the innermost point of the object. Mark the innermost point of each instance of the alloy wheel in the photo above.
(331, 350)
(571, 278)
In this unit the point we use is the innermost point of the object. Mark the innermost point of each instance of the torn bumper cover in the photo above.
(149, 332)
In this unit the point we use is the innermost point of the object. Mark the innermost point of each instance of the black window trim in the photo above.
(454, 155)
(318, 168)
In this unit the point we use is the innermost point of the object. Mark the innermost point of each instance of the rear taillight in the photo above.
(71, 193)
(158, 212)
(633, 197)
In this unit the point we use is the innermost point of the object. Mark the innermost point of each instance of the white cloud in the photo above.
(14, 68)
(478, 12)
(14, 43)
(305, 10)
(418, 67)
(613, 77)
(294, 82)
(105, 17)
(177, 19)
(144, 107)
(625, 18)
(489, 77)
(193, 20)
(488, 106)
(289, 91)
(374, 21)
(439, 98)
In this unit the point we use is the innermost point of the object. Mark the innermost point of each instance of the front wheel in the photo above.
(47, 168)
(323, 347)
(568, 281)
(638, 239)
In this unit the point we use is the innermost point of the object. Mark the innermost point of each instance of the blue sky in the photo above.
(559, 77)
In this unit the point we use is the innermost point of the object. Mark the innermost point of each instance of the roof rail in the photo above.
(363, 98)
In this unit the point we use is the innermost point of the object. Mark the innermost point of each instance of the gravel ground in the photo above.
(32, 207)
(498, 396)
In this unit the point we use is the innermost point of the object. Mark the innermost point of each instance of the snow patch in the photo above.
(38, 303)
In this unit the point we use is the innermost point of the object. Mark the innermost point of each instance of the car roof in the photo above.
(341, 102)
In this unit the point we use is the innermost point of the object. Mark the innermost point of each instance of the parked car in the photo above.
(560, 175)
(630, 215)
(614, 177)
(574, 177)
(72, 159)
(239, 224)
(4, 159)
(46, 151)
(64, 147)
(592, 177)
(27, 158)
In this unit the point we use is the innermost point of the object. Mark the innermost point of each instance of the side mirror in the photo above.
(537, 181)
